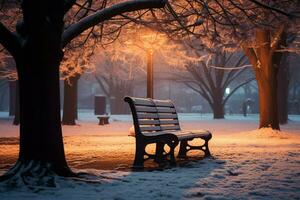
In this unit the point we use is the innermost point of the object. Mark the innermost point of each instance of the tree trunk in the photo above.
(265, 66)
(40, 130)
(266, 78)
(218, 111)
(119, 90)
(118, 106)
(41, 151)
(217, 105)
(268, 103)
(70, 101)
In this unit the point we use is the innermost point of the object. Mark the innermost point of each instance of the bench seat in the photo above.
(184, 134)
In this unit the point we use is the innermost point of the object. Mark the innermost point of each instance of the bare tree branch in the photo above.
(272, 8)
(276, 39)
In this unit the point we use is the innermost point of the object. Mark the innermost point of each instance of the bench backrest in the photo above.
(151, 115)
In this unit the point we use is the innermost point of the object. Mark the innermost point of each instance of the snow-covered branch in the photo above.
(106, 14)
(276, 39)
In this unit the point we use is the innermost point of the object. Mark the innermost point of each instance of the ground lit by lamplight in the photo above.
(261, 164)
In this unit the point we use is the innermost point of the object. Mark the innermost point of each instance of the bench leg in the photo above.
(172, 156)
(182, 149)
(206, 149)
(159, 152)
(172, 143)
(139, 155)
(101, 122)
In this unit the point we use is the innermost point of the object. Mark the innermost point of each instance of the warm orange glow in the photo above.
(146, 39)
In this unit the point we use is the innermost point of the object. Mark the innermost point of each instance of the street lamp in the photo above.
(148, 41)
(227, 91)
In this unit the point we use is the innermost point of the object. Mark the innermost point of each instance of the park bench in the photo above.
(103, 119)
(156, 121)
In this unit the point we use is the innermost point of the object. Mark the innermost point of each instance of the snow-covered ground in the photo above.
(246, 163)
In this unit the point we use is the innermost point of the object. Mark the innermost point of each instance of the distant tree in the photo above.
(283, 77)
(8, 72)
(211, 78)
(116, 89)
(37, 48)
(294, 84)
(75, 63)
(3, 83)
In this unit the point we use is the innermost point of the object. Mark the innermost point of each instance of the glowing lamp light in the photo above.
(227, 91)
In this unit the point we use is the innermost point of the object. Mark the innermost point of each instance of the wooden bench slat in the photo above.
(157, 122)
(176, 127)
(146, 109)
(164, 122)
(163, 103)
(150, 128)
(149, 122)
(140, 101)
(155, 115)
(166, 110)
(152, 109)
(147, 116)
(167, 116)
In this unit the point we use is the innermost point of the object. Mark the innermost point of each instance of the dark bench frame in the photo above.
(156, 121)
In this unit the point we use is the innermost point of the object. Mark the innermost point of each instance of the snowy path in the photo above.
(246, 165)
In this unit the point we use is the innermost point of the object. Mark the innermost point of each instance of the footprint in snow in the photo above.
(230, 173)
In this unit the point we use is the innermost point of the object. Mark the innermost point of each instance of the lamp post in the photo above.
(150, 74)
(148, 41)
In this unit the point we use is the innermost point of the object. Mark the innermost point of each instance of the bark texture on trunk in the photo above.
(40, 130)
(217, 105)
(268, 103)
(265, 66)
(70, 101)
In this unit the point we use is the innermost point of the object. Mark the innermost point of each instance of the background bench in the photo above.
(156, 121)
(103, 119)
